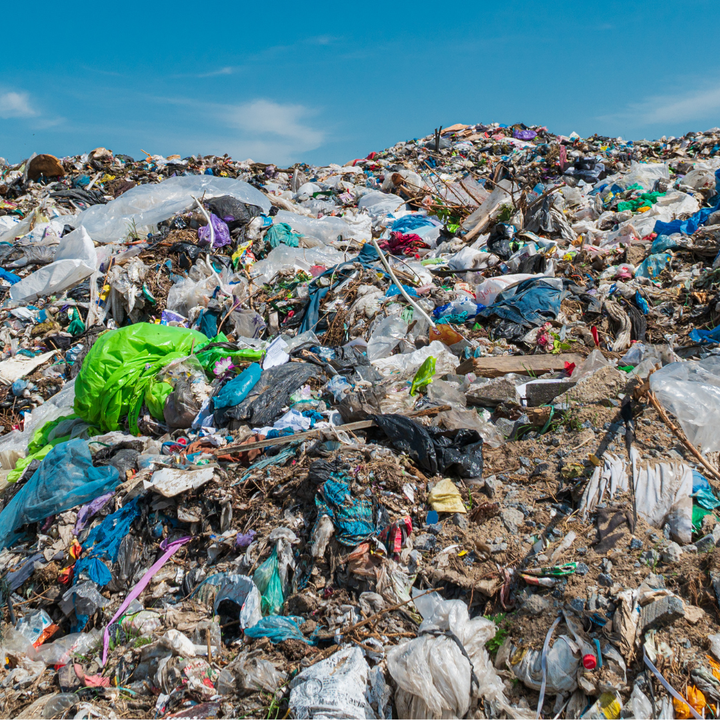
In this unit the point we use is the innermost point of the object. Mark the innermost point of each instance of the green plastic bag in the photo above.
(120, 366)
(424, 375)
(268, 582)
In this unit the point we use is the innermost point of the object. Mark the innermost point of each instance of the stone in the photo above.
(581, 569)
(541, 393)
(461, 521)
(491, 486)
(46, 165)
(424, 542)
(605, 579)
(536, 605)
(512, 519)
(578, 605)
(664, 611)
(651, 557)
(671, 553)
(606, 565)
(636, 544)
(599, 387)
(694, 614)
(705, 544)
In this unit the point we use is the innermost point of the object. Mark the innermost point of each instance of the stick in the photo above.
(399, 284)
(360, 425)
(681, 436)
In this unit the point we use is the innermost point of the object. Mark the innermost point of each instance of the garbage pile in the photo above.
(429, 434)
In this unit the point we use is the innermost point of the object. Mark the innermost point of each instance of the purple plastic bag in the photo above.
(524, 134)
(222, 232)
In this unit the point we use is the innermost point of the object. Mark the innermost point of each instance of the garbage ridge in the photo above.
(429, 434)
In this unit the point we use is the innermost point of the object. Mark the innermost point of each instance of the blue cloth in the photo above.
(529, 303)
(705, 336)
(65, 479)
(95, 569)
(12, 278)
(278, 628)
(351, 516)
(282, 233)
(689, 226)
(652, 266)
(104, 539)
(409, 223)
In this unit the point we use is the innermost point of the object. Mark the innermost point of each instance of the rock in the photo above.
(705, 544)
(664, 611)
(512, 519)
(46, 165)
(605, 579)
(694, 614)
(577, 604)
(536, 605)
(651, 557)
(461, 521)
(491, 393)
(581, 569)
(606, 565)
(599, 387)
(541, 393)
(425, 542)
(636, 544)
(672, 553)
(491, 486)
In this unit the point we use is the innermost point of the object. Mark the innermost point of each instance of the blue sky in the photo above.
(327, 82)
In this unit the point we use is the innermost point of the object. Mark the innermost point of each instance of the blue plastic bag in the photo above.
(278, 628)
(238, 388)
(65, 479)
(351, 516)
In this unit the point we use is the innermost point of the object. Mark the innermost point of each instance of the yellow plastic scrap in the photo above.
(695, 697)
(445, 497)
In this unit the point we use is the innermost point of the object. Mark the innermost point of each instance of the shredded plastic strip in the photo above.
(546, 645)
(170, 550)
(669, 687)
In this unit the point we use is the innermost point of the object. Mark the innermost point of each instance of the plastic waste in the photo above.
(445, 497)
(691, 391)
(333, 688)
(234, 392)
(65, 479)
(446, 669)
(249, 673)
(385, 337)
(140, 209)
(75, 260)
(424, 375)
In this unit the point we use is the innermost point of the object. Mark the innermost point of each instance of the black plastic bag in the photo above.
(235, 213)
(500, 239)
(271, 393)
(437, 451)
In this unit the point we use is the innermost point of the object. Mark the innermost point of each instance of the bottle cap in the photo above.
(589, 661)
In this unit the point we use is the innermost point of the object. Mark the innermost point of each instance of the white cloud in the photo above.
(696, 105)
(270, 130)
(16, 105)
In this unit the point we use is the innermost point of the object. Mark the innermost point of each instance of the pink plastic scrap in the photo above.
(170, 549)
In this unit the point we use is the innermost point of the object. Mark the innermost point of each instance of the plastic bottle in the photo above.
(59, 704)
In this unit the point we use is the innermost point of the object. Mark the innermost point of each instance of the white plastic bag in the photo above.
(75, 260)
(141, 208)
(691, 391)
(385, 337)
(404, 367)
(433, 674)
(488, 290)
(328, 229)
(332, 688)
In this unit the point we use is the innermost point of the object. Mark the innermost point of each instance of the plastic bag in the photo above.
(141, 208)
(333, 688)
(65, 479)
(278, 628)
(385, 337)
(435, 450)
(234, 392)
(120, 366)
(270, 394)
(563, 663)
(328, 229)
(403, 367)
(436, 675)
(75, 260)
(238, 589)
(445, 497)
(691, 391)
(248, 674)
(352, 517)
(268, 582)
(488, 290)
(424, 376)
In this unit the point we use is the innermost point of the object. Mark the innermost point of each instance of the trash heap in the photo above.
(430, 434)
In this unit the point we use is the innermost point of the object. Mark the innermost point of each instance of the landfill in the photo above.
(429, 434)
